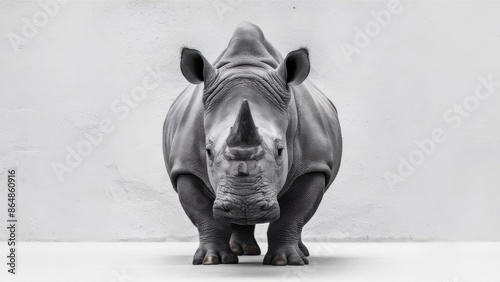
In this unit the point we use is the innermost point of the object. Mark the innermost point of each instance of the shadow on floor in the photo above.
(251, 266)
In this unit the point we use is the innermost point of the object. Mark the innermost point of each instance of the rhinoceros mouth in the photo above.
(246, 200)
(244, 218)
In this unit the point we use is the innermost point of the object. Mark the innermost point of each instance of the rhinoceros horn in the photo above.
(244, 132)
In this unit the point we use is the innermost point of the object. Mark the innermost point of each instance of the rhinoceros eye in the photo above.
(279, 154)
(279, 148)
(208, 148)
(210, 156)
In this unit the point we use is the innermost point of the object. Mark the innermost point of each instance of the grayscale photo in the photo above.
(231, 140)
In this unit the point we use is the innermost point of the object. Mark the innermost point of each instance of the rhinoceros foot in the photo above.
(210, 253)
(243, 241)
(286, 254)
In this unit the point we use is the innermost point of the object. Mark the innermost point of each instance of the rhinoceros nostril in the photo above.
(242, 169)
(223, 208)
(266, 205)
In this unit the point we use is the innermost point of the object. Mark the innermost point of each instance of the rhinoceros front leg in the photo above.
(214, 235)
(297, 206)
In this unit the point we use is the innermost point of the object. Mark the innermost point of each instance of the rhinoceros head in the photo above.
(245, 122)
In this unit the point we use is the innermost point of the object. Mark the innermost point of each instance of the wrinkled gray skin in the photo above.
(250, 141)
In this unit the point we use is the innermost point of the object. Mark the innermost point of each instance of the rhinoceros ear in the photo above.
(195, 67)
(295, 68)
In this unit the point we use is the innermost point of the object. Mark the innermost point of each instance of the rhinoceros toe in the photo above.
(209, 254)
(303, 248)
(249, 249)
(285, 255)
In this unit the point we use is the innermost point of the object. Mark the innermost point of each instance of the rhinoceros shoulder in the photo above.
(184, 136)
(314, 139)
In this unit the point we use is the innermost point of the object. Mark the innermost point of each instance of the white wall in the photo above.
(65, 79)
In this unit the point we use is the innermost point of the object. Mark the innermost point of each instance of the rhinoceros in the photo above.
(250, 141)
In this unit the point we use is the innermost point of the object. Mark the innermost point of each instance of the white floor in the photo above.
(142, 262)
